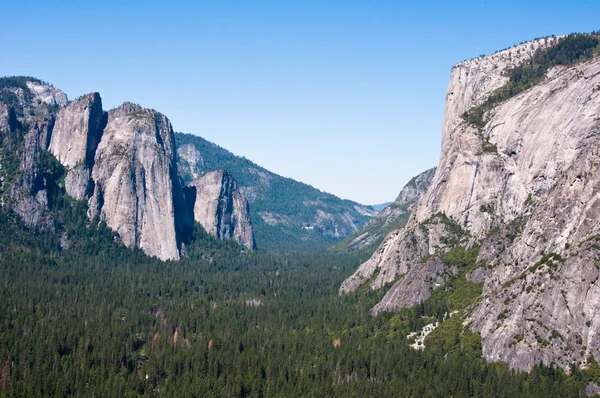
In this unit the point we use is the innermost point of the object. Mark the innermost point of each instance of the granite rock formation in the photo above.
(136, 183)
(76, 135)
(221, 208)
(526, 186)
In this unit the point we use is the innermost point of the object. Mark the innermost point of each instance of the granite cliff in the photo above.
(122, 163)
(136, 183)
(220, 207)
(521, 182)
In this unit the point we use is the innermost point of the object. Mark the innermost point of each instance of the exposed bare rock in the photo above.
(136, 181)
(401, 251)
(135, 189)
(525, 184)
(47, 94)
(415, 188)
(8, 118)
(78, 182)
(32, 99)
(76, 135)
(190, 161)
(592, 390)
(221, 208)
(28, 195)
(78, 130)
(416, 286)
(393, 216)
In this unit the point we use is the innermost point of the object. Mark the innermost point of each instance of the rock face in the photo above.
(44, 93)
(123, 162)
(415, 188)
(8, 118)
(29, 195)
(393, 216)
(76, 135)
(136, 182)
(190, 161)
(221, 208)
(524, 185)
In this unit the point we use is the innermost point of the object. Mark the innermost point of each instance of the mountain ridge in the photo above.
(393, 216)
(287, 214)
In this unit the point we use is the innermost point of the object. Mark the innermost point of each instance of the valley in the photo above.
(136, 260)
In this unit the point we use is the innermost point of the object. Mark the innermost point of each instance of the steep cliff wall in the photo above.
(221, 208)
(523, 184)
(136, 182)
(29, 193)
(76, 135)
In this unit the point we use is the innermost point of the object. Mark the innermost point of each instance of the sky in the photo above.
(347, 96)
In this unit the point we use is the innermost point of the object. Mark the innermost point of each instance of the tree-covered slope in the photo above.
(98, 319)
(286, 214)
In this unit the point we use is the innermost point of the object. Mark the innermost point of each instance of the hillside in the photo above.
(286, 214)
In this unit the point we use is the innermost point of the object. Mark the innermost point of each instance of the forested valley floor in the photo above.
(80, 315)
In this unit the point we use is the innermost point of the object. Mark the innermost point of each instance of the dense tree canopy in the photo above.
(97, 319)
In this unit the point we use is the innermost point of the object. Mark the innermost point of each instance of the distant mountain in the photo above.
(381, 206)
(286, 214)
(392, 217)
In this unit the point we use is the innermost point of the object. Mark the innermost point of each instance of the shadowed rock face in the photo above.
(8, 118)
(534, 189)
(135, 179)
(221, 208)
(29, 195)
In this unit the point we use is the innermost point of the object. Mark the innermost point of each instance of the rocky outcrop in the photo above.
(31, 99)
(29, 193)
(46, 94)
(415, 188)
(221, 208)
(76, 135)
(397, 255)
(136, 184)
(190, 161)
(524, 185)
(8, 118)
(392, 217)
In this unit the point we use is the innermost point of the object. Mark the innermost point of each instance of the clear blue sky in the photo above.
(344, 95)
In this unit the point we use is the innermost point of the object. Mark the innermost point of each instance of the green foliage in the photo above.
(100, 318)
(53, 171)
(15, 82)
(464, 259)
(529, 201)
(488, 147)
(569, 50)
(380, 228)
(456, 295)
(293, 204)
